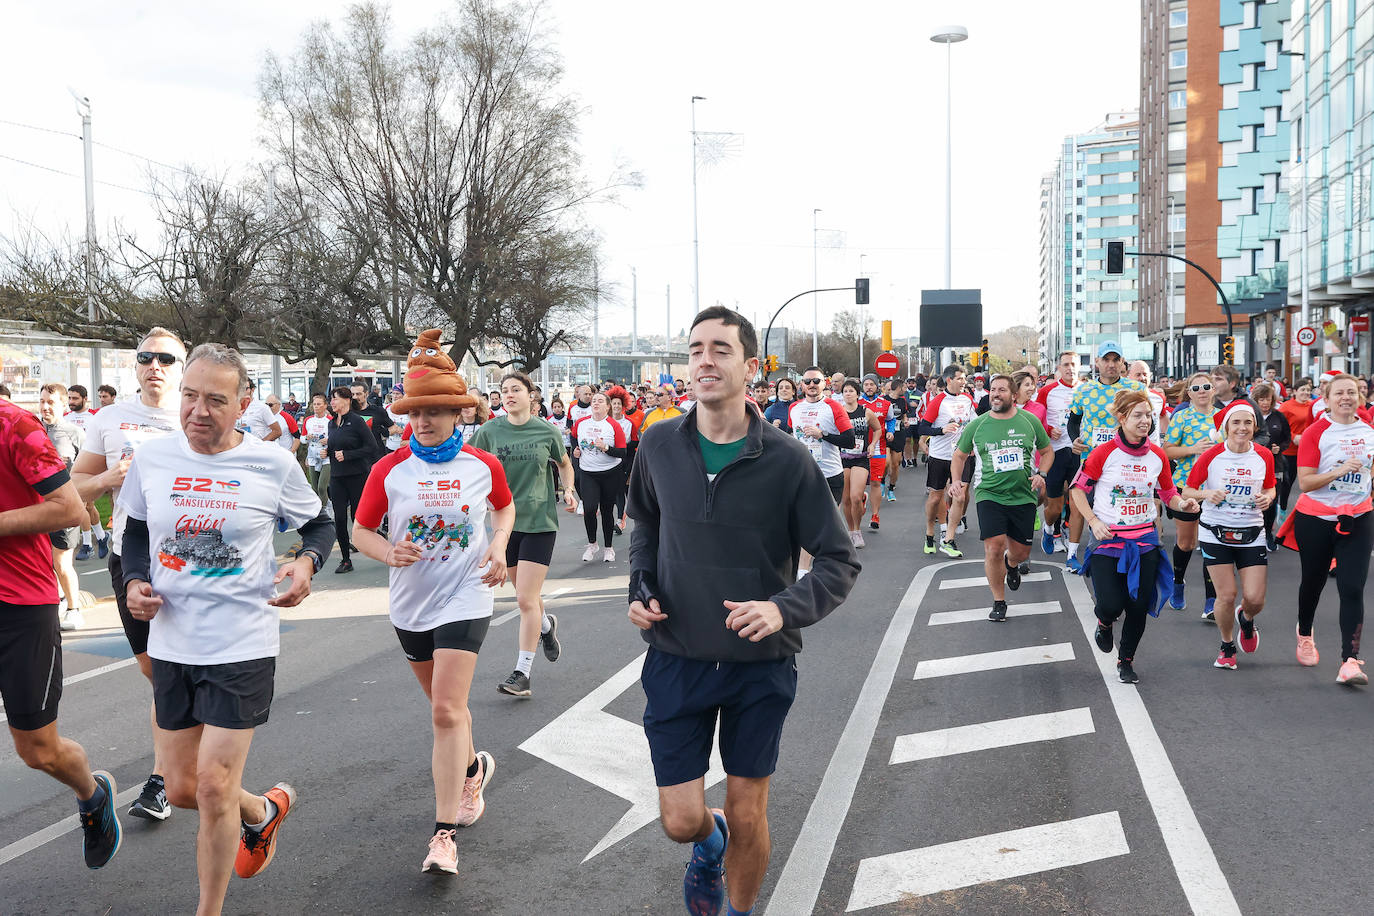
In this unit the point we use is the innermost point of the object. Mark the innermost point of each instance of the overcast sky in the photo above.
(840, 107)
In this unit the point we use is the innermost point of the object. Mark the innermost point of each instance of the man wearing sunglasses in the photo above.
(112, 437)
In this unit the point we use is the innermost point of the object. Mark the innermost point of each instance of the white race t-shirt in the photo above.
(1057, 396)
(443, 507)
(79, 418)
(586, 431)
(830, 418)
(943, 409)
(211, 519)
(314, 431)
(259, 419)
(1243, 475)
(116, 432)
(1325, 446)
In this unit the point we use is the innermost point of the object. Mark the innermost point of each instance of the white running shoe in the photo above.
(589, 554)
(71, 619)
(609, 555)
(579, 507)
(859, 539)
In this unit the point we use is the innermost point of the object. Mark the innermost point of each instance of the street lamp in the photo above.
(83, 108)
(696, 246)
(815, 297)
(862, 323)
(947, 35)
(1303, 354)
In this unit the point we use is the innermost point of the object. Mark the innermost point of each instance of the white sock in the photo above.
(99, 529)
(544, 627)
(801, 572)
(271, 813)
(1073, 549)
(86, 537)
(524, 663)
(944, 530)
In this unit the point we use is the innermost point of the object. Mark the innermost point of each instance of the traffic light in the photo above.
(1116, 257)
(985, 353)
(770, 363)
(1228, 351)
(861, 291)
(973, 359)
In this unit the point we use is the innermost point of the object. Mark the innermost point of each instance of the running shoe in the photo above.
(882, 492)
(472, 804)
(1126, 672)
(1352, 672)
(1271, 542)
(1227, 657)
(1047, 541)
(1177, 600)
(1209, 610)
(963, 526)
(873, 521)
(998, 614)
(1248, 637)
(102, 547)
(516, 684)
(950, 549)
(71, 619)
(859, 540)
(589, 554)
(608, 555)
(345, 566)
(1073, 566)
(552, 647)
(930, 544)
(1103, 637)
(257, 847)
(100, 833)
(1013, 576)
(151, 804)
(892, 494)
(84, 552)
(443, 855)
(579, 507)
(1307, 650)
(703, 886)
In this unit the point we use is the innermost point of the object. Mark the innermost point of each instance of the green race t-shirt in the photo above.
(717, 455)
(525, 452)
(1004, 450)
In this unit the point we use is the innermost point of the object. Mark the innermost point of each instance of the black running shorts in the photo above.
(531, 547)
(235, 695)
(464, 635)
(136, 631)
(30, 664)
(1239, 557)
(1061, 472)
(1016, 522)
(836, 487)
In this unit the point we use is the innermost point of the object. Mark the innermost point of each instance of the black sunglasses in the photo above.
(810, 381)
(145, 357)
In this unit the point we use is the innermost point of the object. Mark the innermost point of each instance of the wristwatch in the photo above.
(316, 560)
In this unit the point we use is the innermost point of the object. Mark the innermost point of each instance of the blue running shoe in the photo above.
(703, 887)
(100, 827)
(103, 546)
(1207, 611)
(1176, 600)
(1073, 565)
(1047, 541)
(84, 552)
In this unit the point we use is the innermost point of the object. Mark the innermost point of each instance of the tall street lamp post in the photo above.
(947, 35)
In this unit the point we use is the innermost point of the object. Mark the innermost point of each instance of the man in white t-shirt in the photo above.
(261, 420)
(199, 564)
(78, 415)
(287, 439)
(112, 437)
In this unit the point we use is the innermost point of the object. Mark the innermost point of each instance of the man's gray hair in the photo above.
(220, 355)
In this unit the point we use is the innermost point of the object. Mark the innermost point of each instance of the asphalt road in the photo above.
(902, 786)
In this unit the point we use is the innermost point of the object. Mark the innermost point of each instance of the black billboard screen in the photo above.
(952, 325)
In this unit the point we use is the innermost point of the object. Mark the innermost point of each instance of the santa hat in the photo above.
(1326, 376)
(431, 378)
(1222, 417)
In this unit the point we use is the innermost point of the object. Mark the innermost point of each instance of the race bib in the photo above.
(1102, 435)
(1134, 508)
(1352, 484)
(1007, 459)
(1240, 493)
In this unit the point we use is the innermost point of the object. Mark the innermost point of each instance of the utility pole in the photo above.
(667, 328)
(634, 311)
(596, 325)
(83, 108)
(815, 302)
(696, 243)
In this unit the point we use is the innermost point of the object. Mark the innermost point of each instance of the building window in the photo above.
(1178, 58)
(1178, 99)
(1178, 181)
(1178, 18)
(1178, 223)
(1178, 139)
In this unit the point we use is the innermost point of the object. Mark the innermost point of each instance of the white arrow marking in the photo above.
(609, 752)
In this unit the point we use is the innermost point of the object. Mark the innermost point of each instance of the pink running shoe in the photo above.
(1247, 634)
(472, 804)
(1307, 651)
(1225, 659)
(443, 855)
(1352, 672)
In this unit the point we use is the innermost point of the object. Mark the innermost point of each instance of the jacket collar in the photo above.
(754, 437)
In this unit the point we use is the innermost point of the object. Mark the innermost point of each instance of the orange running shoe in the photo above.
(1352, 672)
(256, 848)
(1307, 651)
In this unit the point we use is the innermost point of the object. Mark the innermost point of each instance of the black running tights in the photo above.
(1285, 482)
(599, 489)
(1318, 545)
(1113, 599)
(345, 493)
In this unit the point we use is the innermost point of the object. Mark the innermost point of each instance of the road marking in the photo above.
(516, 613)
(973, 581)
(981, 613)
(990, 661)
(983, 736)
(87, 675)
(995, 857)
(66, 825)
(610, 753)
(799, 885)
(1203, 881)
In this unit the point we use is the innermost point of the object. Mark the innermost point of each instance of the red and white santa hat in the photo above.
(1326, 376)
(1223, 416)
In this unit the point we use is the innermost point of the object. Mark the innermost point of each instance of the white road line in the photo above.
(981, 613)
(983, 736)
(1203, 881)
(87, 675)
(990, 661)
(995, 857)
(66, 825)
(800, 882)
(516, 613)
(974, 581)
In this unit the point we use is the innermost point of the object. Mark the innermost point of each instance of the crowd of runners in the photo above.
(743, 501)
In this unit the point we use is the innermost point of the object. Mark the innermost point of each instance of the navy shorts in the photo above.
(683, 698)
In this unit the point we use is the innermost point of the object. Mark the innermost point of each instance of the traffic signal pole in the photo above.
(829, 289)
(1225, 303)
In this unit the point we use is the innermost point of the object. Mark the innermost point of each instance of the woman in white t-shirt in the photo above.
(1234, 483)
(599, 444)
(314, 432)
(436, 491)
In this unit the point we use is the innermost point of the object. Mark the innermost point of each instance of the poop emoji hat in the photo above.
(431, 378)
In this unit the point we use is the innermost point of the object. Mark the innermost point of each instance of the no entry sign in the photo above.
(886, 365)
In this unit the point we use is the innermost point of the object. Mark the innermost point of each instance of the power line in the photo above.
(46, 130)
(116, 149)
(48, 168)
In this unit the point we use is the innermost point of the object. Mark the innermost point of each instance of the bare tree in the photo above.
(544, 302)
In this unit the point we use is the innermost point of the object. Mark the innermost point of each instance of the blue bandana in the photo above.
(437, 454)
